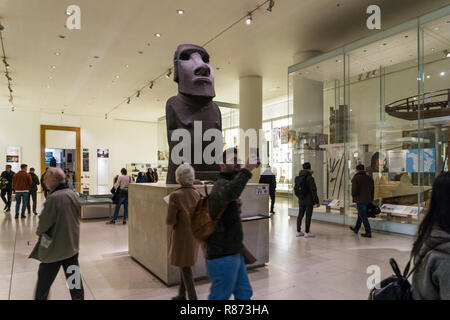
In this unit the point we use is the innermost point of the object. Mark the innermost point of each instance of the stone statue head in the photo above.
(192, 71)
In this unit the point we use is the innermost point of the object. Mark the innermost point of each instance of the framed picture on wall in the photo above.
(102, 153)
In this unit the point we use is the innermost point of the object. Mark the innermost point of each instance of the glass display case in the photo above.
(382, 102)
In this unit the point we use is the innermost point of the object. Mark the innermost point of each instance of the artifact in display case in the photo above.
(436, 104)
(195, 79)
(401, 192)
(335, 170)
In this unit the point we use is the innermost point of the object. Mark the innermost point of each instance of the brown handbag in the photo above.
(202, 224)
(249, 258)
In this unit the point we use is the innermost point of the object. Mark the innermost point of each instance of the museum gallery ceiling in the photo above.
(93, 71)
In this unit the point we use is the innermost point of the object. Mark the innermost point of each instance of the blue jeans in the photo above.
(125, 211)
(22, 196)
(229, 276)
(362, 218)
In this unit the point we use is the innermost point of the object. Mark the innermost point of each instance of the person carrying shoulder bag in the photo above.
(121, 187)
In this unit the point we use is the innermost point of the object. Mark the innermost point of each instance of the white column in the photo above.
(250, 110)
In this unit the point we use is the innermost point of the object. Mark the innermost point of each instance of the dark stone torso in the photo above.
(181, 112)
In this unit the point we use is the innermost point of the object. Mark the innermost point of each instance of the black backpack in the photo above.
(396, 287)
(373, 210)
(300, 187)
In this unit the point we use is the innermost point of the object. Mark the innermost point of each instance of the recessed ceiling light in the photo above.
(48, 86)
(447, 53)
(436, 29)
(442, 73)
(249, 19)
(62, 36)
(57, 53)
(117, 76)
(141, 52)
(96, 57)
(180, 11)
(50, 77)
(69, 12)
(53, 67)
(428, 76)
(126, 66)
(158, 35)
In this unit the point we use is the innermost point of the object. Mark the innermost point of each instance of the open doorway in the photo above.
(64, 159)
(61, 147)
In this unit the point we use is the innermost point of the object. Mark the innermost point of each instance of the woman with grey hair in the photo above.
(183, 246)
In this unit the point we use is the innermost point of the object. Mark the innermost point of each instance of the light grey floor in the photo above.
(331, 266)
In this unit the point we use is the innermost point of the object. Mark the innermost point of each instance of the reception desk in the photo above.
(149, 236)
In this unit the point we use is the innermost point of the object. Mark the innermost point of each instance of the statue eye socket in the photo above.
(185, 56)
(205, 59)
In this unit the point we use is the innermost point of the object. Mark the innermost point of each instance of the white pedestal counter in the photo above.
(149, 236)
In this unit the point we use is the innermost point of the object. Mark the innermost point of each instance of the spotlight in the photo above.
(69, 12)
(271, 4)
(158, 35)
(447, 54)
(129, 100)
(151, 85)
(138, 94)
(249, 19)
(442, 74)
(169, 74)
(180, 11)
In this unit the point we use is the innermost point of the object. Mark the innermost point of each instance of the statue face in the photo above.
(193, 71)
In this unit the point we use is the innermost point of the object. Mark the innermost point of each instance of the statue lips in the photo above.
(203, 79)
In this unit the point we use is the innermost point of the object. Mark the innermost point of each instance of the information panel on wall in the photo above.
(85, 160)
(13, 158)
(408, 160)
(102, 167)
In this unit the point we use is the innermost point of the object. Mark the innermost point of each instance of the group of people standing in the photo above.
(149, 177)
(224, 250)
(24, 185)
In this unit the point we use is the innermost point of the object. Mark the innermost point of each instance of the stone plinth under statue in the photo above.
(149, 236)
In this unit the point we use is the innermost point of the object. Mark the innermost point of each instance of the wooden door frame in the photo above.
(44, 129)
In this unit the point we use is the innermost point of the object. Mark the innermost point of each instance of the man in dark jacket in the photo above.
(225, 262)
(7, 178)
(306, 191)
(33, 191)
(44, 187)
(268, 177)
(362, 192)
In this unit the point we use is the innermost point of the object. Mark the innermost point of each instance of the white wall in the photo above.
(127, 141)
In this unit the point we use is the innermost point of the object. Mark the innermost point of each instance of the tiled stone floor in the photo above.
(331, 266)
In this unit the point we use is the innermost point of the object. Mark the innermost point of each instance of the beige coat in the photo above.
(60, 221)
(183, 246)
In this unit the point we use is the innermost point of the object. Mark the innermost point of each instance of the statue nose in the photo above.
(202, 71)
